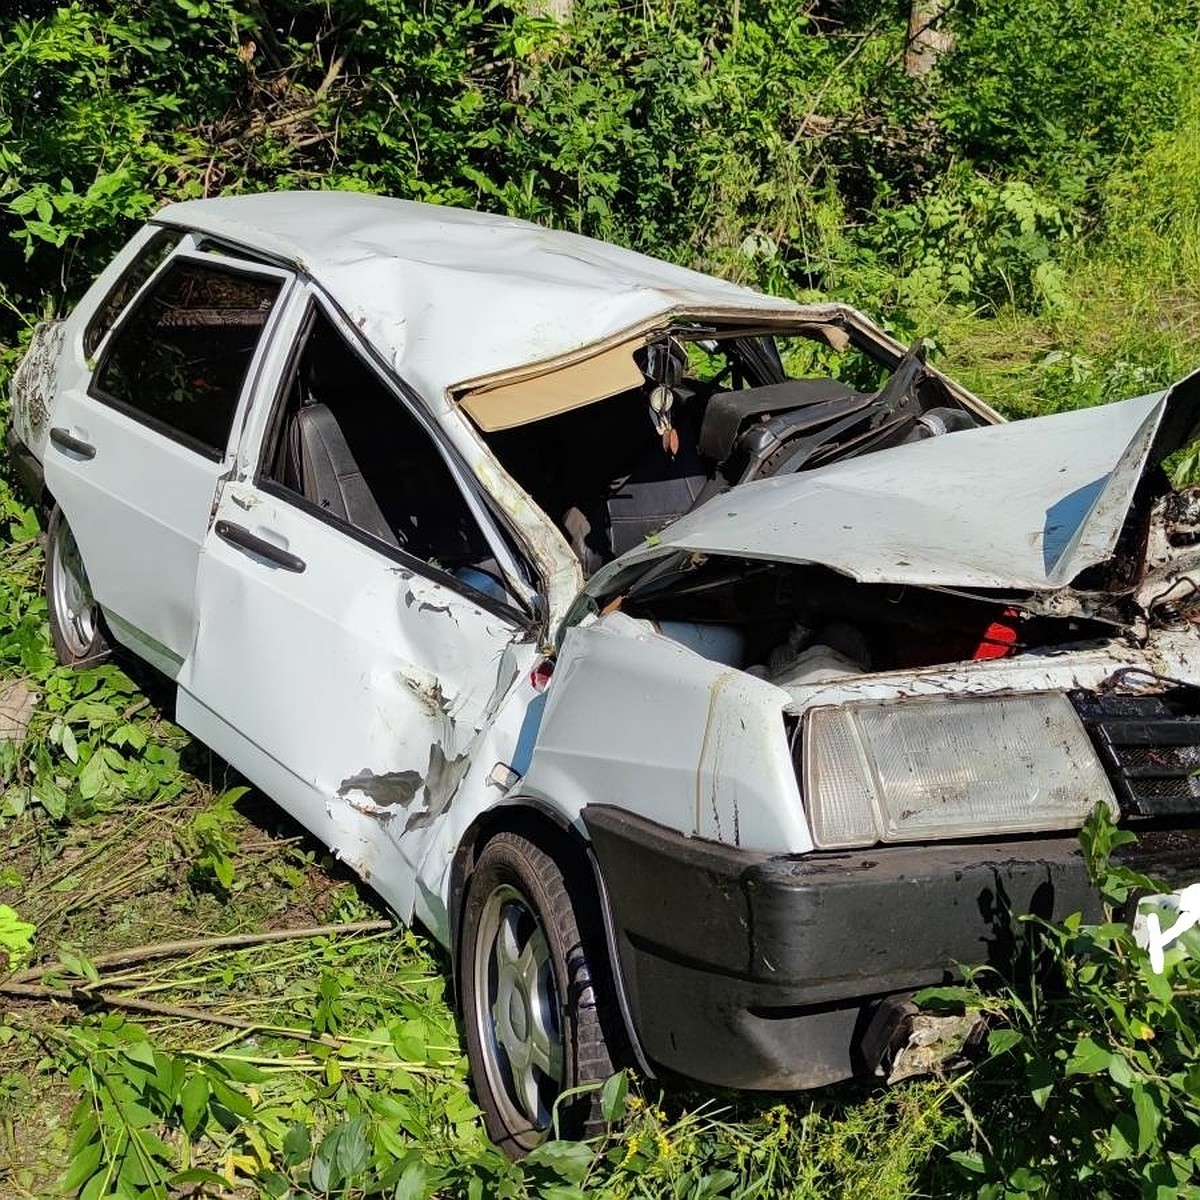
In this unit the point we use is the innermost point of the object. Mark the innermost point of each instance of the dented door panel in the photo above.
(363, 681)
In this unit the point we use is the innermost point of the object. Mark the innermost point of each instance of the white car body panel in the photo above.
(374, 734)
(637, 720)
(140, 507)
(1042, 500)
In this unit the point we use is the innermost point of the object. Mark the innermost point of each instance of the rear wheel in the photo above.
(532, 971)
(76, 626)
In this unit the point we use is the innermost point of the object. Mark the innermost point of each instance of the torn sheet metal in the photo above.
(1023, 506)
(35, 382)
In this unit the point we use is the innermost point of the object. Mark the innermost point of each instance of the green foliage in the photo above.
(1061, 88)
(1093, 1085)
(16, 939)
(974, 241)
(211, 841)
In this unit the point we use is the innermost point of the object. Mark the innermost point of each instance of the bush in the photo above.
(1093, 1085)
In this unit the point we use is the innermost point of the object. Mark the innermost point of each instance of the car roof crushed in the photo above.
(448, 297)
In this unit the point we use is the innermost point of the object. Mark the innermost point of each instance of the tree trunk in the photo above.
(560, 10)
(927, 39)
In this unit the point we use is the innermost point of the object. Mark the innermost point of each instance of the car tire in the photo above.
(533, 974)
(76, 625)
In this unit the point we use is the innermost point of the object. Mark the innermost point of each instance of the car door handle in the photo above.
(243, 539)
(64, 439)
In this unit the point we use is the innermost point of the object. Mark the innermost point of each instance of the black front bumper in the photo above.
(753, 971)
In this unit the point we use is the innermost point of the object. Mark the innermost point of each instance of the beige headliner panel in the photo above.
(554, 392)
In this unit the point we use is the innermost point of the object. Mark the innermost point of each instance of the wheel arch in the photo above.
(548, 828)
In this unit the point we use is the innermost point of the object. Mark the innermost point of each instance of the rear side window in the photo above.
(132, 278)
(180, 361)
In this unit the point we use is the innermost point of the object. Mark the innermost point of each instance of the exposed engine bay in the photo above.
(796, 625)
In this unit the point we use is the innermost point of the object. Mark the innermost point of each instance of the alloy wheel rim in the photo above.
(73, 600)
(518, 1012)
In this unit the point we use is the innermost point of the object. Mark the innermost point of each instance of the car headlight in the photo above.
(921, 769)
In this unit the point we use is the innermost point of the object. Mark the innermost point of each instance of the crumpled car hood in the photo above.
(1024, 506)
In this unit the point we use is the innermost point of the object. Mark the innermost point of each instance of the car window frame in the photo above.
(188, 250)
(93, 337)
(265, 442)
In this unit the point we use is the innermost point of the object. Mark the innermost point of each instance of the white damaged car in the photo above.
(703, 704)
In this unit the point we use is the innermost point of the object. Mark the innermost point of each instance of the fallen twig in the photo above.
(137, 954)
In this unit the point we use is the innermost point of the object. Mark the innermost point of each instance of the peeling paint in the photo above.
(385, 790)
(35, 381)
(442, 780)
(427, 688)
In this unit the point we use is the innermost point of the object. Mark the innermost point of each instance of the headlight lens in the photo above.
(924, 769)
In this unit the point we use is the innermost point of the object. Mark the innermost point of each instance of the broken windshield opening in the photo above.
(688, 414)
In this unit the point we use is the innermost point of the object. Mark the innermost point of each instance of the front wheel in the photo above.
(76, 626)
(532, 971)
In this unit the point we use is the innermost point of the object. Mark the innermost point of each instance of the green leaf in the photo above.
(1088, 1058)
(140, 1052)
(1149, 1115)
(569, 1160)
(1120, 1139)
(1040, 1077)
(16, 937)
(353, 1150)
(613, 1096)
(1000, 1041)
(297, 1144)
(413, 1183)
(242, 1071)
(193, 1104)
(941, 998)
(1027, 1180)
(321, 1172)
(969, 1160)
(83, 1167)
(197, 1175)
(1119, 1071)
(93, 776)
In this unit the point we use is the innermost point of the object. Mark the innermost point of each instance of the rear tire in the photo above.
(533, 971)
(76, 625)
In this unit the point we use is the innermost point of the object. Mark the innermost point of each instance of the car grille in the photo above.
(1150, 751)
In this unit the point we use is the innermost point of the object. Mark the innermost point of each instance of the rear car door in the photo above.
(354, 633)
(138, 442)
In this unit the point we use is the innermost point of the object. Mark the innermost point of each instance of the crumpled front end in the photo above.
(948, 728)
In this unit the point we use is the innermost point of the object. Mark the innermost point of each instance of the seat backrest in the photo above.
(327, 474)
